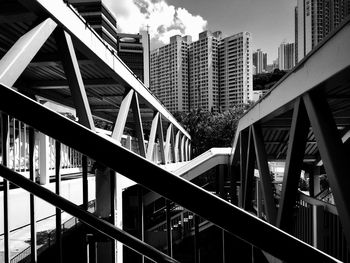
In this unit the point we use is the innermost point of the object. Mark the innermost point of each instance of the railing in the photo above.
(18, 156)
(49, 239)
(197, 200)
(317, 223)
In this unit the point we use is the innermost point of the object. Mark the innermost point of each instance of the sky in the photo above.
(270, 22)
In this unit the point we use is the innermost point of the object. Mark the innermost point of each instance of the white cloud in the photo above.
(164, 20)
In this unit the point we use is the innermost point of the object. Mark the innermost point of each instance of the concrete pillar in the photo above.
(103, 175)
(44, 157)
(119, 215)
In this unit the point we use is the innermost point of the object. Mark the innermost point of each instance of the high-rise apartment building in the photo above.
(314, 20)
(235, 70)
(286, 56)
(203, 69)
(260, 61)
(169, 73)
(218, 75)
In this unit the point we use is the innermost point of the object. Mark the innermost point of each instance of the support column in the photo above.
(168, 227)
(264, 171)
(58, 211)
(295, 156)
(119, 216)
(196, 240)
(33, 239)
(44, 157)
(141, 217)
(334, 154)
(103, 210)
(243, 145)
(249, 174)
(5, 155)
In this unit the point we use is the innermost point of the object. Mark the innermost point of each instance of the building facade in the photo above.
(315, 19)
(286, 56)
(204, 72)
(218, 76)
(235, 70)
(260, 61)
(169, 75)
(131, 50)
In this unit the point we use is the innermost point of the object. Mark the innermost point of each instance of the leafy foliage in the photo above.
(209, 129)
(265, 81)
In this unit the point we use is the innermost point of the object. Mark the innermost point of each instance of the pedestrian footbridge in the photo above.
(150, 199)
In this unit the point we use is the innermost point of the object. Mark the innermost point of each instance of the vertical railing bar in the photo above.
(113, 208)
(196, 238)
(19, 145)
(5, 141)
(25, 147)
(168, 226)
(85, 182)
(13, 143)
(58, 211)
(33, 243)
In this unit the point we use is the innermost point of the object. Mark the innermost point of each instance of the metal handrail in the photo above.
(100, 225)
(225, 215)
(316, 202)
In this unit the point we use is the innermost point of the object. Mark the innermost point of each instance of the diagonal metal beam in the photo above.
(22, 52)
(295, 155)
(182, 148)
(192, 197)
(92, 47)
(249, 173)
(186, 150)
(168, 142)
(243, 145)
(73, 75)
(265, 178)
(138, 124)
(122, 117)
(334, 154)
(152, 137)
(161, 139)
(98, 224)
(176, 147)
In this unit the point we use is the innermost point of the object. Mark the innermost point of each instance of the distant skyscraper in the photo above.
(203, 69)
(260, 61)
(315, 19)
(235, 70)
(286, 56)
(169, 73)
(130, 50)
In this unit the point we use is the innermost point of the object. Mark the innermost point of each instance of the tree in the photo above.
(209, 129)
